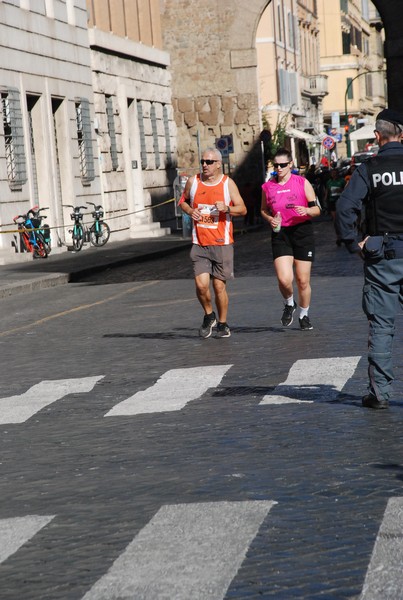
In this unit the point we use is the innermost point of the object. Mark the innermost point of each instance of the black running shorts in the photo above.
(297, 241)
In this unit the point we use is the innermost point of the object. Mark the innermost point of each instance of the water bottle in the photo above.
(278, 227)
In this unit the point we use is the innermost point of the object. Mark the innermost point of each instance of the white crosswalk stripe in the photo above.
(308, 380)
(314, 379)
(19, 408)
(384, 579)
(17, 531)
(186, 551)
(173, 390)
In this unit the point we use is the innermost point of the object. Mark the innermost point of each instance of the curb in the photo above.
(31, 285)
(44, 281)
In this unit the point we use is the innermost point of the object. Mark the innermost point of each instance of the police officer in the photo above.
(377, 186)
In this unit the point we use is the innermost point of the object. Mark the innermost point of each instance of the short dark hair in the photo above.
(283, 152)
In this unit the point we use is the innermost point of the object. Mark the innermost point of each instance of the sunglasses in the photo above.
(281, 165)
(208, 161)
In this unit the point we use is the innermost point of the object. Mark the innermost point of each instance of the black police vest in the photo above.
(384, 206)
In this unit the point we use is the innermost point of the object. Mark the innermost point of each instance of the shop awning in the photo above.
(301, 135)
(364, 133)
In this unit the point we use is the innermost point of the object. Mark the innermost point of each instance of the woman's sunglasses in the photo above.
(281, 165)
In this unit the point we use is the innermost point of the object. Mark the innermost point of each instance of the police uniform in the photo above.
(377, 187)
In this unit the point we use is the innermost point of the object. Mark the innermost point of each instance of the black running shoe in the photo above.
(305, 323)
(209, 322)
(288, 313)
(223, 330)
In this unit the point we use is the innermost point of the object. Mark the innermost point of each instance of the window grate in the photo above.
(143, 149)
(153, 117)
(14, 139)
(85, 151)
(112, 132)
(168, 148)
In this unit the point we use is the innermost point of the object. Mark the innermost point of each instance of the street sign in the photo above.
(225, 145)
(335, 120)
(328, 143)
(222, 145)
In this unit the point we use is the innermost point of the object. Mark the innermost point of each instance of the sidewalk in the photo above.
(66, 267)
(59, 269)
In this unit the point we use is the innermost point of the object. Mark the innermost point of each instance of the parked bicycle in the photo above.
(36, 219)
(34, 238)
(78, 232)
(99, 230)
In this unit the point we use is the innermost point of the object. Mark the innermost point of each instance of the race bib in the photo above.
(209, 216)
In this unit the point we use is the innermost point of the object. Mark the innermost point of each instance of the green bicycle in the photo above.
(99, 230)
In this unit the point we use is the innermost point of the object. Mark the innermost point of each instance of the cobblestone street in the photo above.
(139, 461)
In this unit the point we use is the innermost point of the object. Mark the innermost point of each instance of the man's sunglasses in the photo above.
(281, 165)
(208, 161)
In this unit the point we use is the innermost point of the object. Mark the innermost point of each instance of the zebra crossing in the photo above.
(15, 532)
(185, 551)
(195, 550)
(21, 407)
(308, 380)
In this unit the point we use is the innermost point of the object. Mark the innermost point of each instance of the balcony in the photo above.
(316, 85)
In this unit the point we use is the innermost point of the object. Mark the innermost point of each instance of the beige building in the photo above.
(352, 58)
(135, 129)
(290, 84)
(86, 115)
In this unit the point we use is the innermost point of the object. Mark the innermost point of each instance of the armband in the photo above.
(311, 204)
(182, 199)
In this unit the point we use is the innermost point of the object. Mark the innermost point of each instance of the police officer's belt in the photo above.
(388, 245)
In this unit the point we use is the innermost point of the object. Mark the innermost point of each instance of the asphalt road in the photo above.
(139, 461)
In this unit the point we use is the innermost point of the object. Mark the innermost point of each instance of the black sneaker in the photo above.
(371, 401)
(305, 323)
(209, 322)
(223, 330)
(288, 313)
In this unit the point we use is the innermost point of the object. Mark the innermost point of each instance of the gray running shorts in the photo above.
(218, 261)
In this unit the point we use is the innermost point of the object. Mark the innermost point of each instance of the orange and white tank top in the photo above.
(214, 228)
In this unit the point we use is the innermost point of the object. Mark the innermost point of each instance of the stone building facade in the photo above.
(290, 84)
(353, 59)
(214, 80)
(136, 133)
(47, 155)
(86, 116)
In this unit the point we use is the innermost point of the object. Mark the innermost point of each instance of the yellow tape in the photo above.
(89, 222)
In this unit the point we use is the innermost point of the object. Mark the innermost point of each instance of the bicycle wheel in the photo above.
(40, 247)
(78, 237)
(99, 234)
(26, 243)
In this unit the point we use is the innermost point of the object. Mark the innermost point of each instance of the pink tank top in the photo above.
(283, 198)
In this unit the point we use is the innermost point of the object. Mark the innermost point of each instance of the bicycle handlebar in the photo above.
(77, 208)
(96, 206)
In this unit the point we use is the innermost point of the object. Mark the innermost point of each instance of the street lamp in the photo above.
(345, 105)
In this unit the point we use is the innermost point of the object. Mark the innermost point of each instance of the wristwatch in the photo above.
(228, 210)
